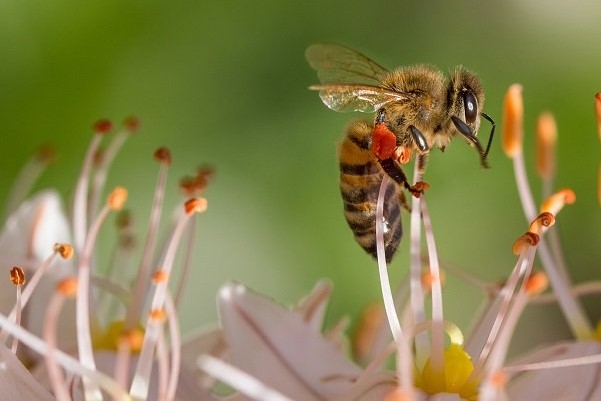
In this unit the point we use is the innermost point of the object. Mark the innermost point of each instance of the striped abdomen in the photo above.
(360, 180)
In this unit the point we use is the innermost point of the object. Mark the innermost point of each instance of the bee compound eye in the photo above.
(470, 106)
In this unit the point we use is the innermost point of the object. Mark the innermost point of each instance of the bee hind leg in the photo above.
(393, 169)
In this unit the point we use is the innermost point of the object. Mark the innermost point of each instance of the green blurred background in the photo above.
(225, 82)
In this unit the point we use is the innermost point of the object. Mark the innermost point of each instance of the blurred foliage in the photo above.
(226, 83)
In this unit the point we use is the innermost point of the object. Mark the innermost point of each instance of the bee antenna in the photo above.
(492, 132)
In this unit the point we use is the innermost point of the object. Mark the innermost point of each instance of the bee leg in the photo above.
(394, 171)
(419, 139)
(469, 135)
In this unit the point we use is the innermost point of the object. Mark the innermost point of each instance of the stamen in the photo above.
(28, 175)
(541, 224)
(239, 380)
(163, 155)
(437, 360)
(141, 282)
(389, 307)
(67, 362)
(598, 113)
(139, 386)
(17, 276)
(64, 250)
(84, 338)
(197, 205)
(160, 276)
(558, 200)
(513, 117)
(525, 241)
(130, 125)
(80, 198)
(117, 198)
(67, 287)
(28, 291)
(546, 137)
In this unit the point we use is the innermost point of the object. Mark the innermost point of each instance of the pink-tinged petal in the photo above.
(17, 383)
(26, 241)
(280, 349)
(313, 306)
(577, 383)
(32, 230)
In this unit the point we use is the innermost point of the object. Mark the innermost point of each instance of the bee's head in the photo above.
(465, 101)
(465, 98)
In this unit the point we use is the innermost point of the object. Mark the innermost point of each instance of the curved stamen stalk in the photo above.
(84, 337)
(163, 156)
(80, 198)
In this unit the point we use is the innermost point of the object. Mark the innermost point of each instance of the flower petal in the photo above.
(16, 382)
(280, 349)
(576, 383)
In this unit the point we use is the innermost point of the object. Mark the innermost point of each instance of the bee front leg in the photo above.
(393, 169)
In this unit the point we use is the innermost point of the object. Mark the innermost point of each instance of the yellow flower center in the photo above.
(458, 367)
(116, 333)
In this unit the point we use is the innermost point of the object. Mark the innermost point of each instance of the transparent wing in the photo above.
(364, 98)
(341, 65)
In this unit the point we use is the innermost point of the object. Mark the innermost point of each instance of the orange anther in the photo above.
(513, 121)
(17, 276)
(117, 198)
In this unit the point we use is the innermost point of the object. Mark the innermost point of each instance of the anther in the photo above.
(498, 380)
(524, 241)
(65, 250)
(131, 124)
(17, 276)
(513, 121)
(160, 276)
(46, 154)
(556, 202)
(428, 280)
(67, 287)
(536, 284)
(134, 339)
(545, 219)
(398, 394)
(163, 155)
(117, 198)
(546, 137)
(158, 315)
(99, 157)
(102, 126)
(196, 205)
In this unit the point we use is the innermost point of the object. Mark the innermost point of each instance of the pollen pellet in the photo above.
(197, 205)
(67, 287)
(117, 198)
(17, 276)
(65, 250)
(513, 121)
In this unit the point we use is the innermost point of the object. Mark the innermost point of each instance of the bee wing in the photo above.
(353, 97)
(338, 64)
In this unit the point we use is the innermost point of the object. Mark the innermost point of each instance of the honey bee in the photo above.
(416, 109)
